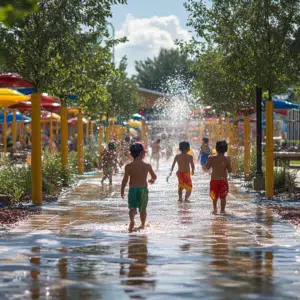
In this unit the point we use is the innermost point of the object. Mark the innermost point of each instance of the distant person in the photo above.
(108, 162)
(124, 151)
(205, 151)
(136, 172)
(221, 166)
(156, 152)
(185, 164)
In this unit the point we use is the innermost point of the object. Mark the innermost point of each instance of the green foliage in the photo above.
(284, 180)
(90, 161)
(12, 11)
(257, 41)
(61, 49)
(54, 175)
(15, 181)
(122, 99)
(170, 63)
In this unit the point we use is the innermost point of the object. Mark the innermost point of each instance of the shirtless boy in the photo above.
(137, 172)
(185, 163)
(221, 166)
(109, 161)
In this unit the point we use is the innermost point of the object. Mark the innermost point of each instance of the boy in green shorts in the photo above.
(137, 172)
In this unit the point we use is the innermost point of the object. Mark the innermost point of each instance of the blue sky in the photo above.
(148, 25)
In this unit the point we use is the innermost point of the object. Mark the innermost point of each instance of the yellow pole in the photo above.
(87, 129)
(14, 129)
(247, 146)
(64, 135)
(108, 131)
(269, 180)
(187, 130)
(4, 132)
(100, 140)
(234, 150)
(22, 130)
(36, 150)
(91, 128)
(80, 153)
(143, 131)
(51, 134)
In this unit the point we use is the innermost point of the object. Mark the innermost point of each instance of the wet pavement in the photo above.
(80, 248)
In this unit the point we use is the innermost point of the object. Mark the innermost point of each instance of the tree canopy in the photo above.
(57, 48)
(170, 63)
(11, 11)
(257, 40)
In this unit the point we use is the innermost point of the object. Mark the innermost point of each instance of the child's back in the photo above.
(220, 165)
(205, 148)
(184, 161)
(138, 172)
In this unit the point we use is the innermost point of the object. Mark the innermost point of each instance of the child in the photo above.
(204, 152)
(221, 166)
(184, 161)
(137, 172)
(108, 162)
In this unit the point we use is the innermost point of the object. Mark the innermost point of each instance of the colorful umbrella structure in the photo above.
(73, 121)
(45, 116)
(137, 117)
(10, 80)
(283, 105)
(22, 106)
(51, 106)
(19, 118)
(133, 123)
(73, 111)
(195, 139)
(47, 99)
(10, 97)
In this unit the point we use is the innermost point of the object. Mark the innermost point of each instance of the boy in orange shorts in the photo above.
(221, 166)
(185, 163)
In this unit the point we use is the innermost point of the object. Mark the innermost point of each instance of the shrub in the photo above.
(91, 161)
(284, 180)
(15, 181)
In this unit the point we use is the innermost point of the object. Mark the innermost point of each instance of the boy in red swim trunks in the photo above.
(221, 166)
(185, 163)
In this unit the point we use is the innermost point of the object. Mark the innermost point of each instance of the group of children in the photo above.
(137, 171)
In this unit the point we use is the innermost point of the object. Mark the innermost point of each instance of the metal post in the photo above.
(269, 148)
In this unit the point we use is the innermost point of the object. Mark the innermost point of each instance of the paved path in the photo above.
(80, 249)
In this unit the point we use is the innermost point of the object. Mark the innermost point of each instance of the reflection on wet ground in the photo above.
(80, 249)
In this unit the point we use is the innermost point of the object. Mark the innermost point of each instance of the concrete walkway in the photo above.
(79, 248)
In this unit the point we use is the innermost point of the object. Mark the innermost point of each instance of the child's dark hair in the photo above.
(111, 146)
(184, 146)
(136, 150)
(221, 147)
(205, 140)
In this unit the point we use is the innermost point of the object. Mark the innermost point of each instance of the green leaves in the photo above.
(170, 63)
(256, 40)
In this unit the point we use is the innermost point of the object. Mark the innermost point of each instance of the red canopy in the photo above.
(11, 80)
(52, 107)
(48, 99)
(22, 106)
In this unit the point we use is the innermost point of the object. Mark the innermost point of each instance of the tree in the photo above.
(122, 100)
(38, 46)
(217, 86)
(170, 63)
(11, 11)
(256, 38)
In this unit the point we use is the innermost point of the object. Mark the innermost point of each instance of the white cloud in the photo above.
(146, 36)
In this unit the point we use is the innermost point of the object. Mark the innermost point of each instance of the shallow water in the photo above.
(80, 248)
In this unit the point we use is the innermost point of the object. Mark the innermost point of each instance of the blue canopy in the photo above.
(9, 118)
(137, 117)
(284, 105)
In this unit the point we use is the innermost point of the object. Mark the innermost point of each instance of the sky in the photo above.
(148, 26)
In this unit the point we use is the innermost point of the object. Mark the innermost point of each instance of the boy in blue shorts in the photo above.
(136, 172)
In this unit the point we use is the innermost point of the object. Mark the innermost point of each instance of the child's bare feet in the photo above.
(131, 226)
(180, 199)
(214, 212)
(222, 212)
